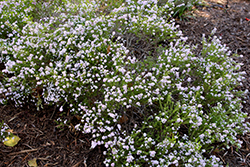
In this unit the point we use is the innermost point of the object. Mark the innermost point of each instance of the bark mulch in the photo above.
(43, 139)
(51, 145)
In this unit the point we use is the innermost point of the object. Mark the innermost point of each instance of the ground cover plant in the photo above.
(152, 107)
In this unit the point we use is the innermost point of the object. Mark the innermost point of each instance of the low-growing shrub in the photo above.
(157, 106)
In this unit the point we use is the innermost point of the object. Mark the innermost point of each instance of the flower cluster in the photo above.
(167, 108)
(3, 131)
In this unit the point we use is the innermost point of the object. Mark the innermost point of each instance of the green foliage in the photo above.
(180, 6)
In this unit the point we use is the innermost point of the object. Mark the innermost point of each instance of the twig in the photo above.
(232, 149)
(222, 159)
(211, 151)
(84, 162)
(25, 157)
(53, 112)
(11, 161)
(2, 108)
(28, 146)
(43, 159)
(247, 156)
(238, 154)
(76, 165)
(240, 39)
(50, 164)
(82, 141)
(23, 151)
(225, 154)
(247, 143)
(15, 116)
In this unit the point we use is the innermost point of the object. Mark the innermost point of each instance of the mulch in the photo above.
(43, 139)
(56, 146)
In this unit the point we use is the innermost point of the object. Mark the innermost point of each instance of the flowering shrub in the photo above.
(14, 13)
(168, 107)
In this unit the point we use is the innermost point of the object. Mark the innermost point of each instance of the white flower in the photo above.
(130, 158)
(155, 162)
(152, 153)
(214, 31)
(93, 144)
(4, 52)
(61, 109)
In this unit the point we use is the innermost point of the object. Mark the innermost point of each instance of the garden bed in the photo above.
(43, 139)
